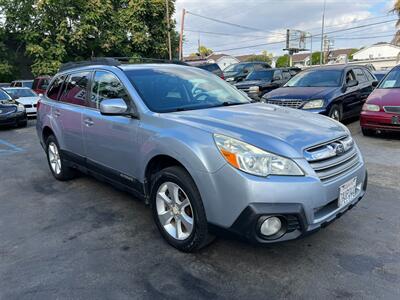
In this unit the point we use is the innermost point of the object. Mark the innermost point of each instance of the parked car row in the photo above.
(11, 112)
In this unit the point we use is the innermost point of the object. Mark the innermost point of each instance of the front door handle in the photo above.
(88, 122)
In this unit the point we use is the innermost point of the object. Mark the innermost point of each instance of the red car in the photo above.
(381, 111)
(40, 84)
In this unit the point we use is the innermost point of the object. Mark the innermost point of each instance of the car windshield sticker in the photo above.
(389, 83)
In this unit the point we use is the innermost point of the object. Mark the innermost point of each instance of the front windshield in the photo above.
(20, 93)
(167, 89)
(316, 78)
(4, 97)
(235, 68)
(260, 75)
(391, 81)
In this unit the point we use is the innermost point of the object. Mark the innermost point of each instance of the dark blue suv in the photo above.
(336, 91)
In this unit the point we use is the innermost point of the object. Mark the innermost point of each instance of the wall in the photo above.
(376, 52)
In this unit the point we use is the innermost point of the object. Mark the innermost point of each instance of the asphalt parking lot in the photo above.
(84, 239)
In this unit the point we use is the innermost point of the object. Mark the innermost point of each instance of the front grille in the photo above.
(329, 162)
(28, 106)
(292, 223)
(392, 109)
(8, 109)
(292, 103)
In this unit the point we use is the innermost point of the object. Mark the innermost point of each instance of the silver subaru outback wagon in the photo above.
(206, 159)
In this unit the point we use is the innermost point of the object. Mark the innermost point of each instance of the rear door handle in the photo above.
(88, 122)
(57, 113)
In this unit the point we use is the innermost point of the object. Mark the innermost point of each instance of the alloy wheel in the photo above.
(54, 158)
(174, 211)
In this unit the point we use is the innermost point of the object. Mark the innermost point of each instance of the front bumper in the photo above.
(379, 121)
(13, 118)
(247, 224)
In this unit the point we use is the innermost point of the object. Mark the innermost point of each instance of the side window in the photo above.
(350, 76)
(370, 77)
(106, 86)
(260, 67)
(278, 73)
(43, 84)
(360, 76)
(248, 68)
(18, 84)
(75, 88)
(55, 88)
(286, 74)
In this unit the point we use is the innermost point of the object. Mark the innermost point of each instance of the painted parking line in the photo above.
(8, 148)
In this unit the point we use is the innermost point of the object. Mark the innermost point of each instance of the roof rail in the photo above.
(109, 61)
(117, 61)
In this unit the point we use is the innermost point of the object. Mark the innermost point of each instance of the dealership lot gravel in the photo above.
(83, 239)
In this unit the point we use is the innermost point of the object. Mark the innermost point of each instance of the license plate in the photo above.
(347, 192)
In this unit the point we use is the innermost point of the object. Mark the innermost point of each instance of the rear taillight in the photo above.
(222, 76)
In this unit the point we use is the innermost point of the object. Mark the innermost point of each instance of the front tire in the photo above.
(336, 112)
(178, 210)
(56, 162)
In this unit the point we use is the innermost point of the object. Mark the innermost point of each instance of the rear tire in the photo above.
(178, 210)
(336, 113)
(367, 131)
(58, 165)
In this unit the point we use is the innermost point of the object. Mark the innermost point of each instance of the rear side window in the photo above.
(75, 88)
(27, 84)
(260, 67)
(106, 86)
(286, 74)
(370, 77)
(360, 76)
(55, 88)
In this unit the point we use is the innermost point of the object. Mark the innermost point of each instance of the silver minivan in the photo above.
(193, 147)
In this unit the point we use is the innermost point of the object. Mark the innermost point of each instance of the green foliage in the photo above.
(283, 61)
(352, 52)
(56, 31)
(315, 58)
(265, 56)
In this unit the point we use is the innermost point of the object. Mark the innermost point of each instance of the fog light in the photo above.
(271, 226)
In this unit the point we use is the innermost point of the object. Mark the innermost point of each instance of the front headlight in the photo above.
(254, 89)
(314, 104)
(21, 107)
(253, 160)
(371, 107)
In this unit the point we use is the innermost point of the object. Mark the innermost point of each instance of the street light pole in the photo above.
(322, 33)
(169, 30)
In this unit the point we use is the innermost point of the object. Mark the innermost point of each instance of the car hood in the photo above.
(385, 97)
(248, 83)
(276, 129)
(301, 93)
(27, 100)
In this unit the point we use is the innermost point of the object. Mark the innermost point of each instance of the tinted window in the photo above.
(286, 75)
(210, 68)
(235, 68)
(360, 76)
(370, 77)
(167, 89)
(18, 84)
(260, 67)
(75, 88)
(260, 75)
(316, 78)
(106, 86)
(55, 88)
(392, 80)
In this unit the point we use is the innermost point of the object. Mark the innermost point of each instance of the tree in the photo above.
(315, 58)
(204, 51)
(264, 56)
(283, 61)
(56, 31)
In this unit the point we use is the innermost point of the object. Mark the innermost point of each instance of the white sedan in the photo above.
(25, 96)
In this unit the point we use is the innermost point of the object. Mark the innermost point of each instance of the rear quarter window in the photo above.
(55, 88)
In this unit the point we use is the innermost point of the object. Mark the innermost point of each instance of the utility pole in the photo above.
(310, 49)
(181, 34)
(169, 30)
(322, 33)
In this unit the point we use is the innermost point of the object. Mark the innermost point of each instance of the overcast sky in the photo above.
(269, 19)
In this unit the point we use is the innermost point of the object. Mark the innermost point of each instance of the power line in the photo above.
(234, 24)
(222, 33)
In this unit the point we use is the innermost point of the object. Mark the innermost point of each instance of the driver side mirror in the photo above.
(375, 83)
(245, 71)
(114, 107)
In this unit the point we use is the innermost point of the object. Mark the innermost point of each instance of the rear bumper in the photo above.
(379, 120)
